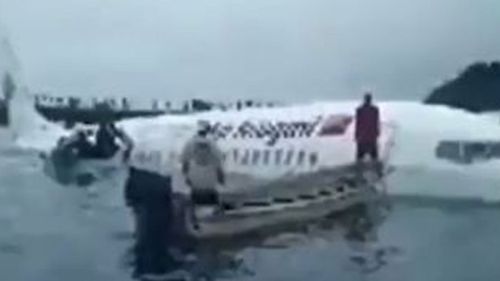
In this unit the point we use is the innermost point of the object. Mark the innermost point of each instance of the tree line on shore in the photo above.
(476, 89)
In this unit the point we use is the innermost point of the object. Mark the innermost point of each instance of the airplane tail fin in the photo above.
(19, 122)
(7, 81)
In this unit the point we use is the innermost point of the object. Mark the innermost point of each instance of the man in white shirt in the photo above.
(202, 166)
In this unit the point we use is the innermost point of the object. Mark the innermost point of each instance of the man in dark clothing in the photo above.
(78, 144)
(105, 141)
(83, 146)
(150, 196)
(367, 130)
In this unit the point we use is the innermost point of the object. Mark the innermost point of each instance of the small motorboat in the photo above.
(241, 214)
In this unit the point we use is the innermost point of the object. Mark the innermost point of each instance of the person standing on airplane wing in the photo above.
(202, 167)
(367, 131)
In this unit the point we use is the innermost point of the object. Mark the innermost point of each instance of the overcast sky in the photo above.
(280, 49)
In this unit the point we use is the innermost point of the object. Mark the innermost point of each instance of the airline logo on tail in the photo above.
(272, 131)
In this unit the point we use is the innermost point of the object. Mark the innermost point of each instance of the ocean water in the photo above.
(52, 233)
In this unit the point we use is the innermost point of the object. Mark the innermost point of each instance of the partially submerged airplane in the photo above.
(259, 145)
(288, 157)
(298, 159)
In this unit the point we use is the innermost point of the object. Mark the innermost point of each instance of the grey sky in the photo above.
(285, 49)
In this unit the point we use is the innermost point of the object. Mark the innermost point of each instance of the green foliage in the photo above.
(476, 89)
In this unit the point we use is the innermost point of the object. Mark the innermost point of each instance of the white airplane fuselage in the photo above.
(259, 145)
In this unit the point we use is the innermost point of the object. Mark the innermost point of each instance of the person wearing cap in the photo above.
(202, 167)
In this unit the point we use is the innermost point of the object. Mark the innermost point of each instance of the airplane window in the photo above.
(313, 158)
(266, 156)
(300, 157)
(246, 157)
(289, 157)
(278, 156)
(255, 157)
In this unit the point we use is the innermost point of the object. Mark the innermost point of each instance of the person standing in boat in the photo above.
(202, 167)
(367, 130)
